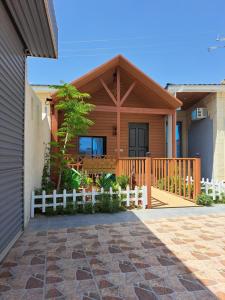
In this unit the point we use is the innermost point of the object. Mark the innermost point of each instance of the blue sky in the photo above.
(168, 40)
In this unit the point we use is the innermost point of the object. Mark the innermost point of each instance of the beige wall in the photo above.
(215, 103)
(36, 136)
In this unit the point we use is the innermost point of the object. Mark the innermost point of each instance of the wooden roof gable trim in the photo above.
(122, 62)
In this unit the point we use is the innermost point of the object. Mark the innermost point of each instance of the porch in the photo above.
(174, 182)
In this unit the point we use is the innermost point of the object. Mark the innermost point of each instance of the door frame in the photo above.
(148, 133)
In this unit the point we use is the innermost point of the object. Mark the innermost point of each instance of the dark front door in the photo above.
(138, 139)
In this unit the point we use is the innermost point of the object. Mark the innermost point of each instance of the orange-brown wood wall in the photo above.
(106, 121)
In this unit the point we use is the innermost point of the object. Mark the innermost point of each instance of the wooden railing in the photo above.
(138, 170)
(180, 176)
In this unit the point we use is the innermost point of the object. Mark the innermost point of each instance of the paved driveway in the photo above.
(174, 258)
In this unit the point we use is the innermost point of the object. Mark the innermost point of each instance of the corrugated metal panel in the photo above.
(12, 85)
(35, 20)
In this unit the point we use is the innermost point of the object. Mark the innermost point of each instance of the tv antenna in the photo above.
(218, 39)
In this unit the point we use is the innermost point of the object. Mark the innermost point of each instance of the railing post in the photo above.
(197, 180)
(148, 181)
(118, 167)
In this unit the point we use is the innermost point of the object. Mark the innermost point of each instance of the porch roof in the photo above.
(145, 86)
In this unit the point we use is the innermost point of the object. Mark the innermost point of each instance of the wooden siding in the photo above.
(104, 123)
(12, 85)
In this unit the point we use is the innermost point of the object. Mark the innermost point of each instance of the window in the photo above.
(178, 138)
(93, 146)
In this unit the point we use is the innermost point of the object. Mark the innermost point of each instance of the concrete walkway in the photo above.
(46, 223)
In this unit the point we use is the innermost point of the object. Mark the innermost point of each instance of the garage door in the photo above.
(12, 74)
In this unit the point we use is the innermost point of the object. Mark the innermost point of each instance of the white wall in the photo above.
(36, 137)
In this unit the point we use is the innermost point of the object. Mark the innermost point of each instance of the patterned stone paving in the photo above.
(176, 258)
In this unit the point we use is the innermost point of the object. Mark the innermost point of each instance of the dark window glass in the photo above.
(178, 138)
(93, 146)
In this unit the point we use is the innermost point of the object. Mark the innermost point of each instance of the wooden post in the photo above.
(118, 113)
(148, 181)
(54, 123)
(197, 179)
(174, 123)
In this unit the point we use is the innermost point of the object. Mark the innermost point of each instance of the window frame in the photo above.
(93, 137)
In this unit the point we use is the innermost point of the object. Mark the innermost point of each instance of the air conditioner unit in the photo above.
(199, 114)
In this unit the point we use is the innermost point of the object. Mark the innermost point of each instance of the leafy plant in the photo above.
(75, 109)
(122, 181)
(88, 208)
(108, 203)
(205, 200)
(71, 179)
(105, 181)
(86, 181)
(46, 183)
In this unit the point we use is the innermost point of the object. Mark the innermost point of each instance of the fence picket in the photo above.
(131, 195)
(54, 200)
(43, 201)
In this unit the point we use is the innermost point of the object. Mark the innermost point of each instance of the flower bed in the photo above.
(88, 201)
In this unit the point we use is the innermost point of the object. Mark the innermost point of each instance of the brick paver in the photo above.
(176, 258)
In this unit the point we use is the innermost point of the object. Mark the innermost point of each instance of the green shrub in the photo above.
(105, 181)
(205, 200)
(71, 179)
(122, 181)
(88, 208)
(108, 203)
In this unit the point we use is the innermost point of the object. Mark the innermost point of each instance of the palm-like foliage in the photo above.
(72, 102)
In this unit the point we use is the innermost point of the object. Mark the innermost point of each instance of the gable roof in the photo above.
(141, 77)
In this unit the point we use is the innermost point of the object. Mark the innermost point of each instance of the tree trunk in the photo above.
(61, 168)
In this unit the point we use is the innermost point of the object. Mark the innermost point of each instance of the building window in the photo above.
(178, 138)
(92, 145)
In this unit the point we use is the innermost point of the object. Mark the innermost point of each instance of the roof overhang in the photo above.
(36, 24)
(137, 74)
(190, 94)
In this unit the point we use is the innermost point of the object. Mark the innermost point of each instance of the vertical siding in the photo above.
(12, 74)
(104, 123)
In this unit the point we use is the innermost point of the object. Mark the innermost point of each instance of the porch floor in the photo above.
(163, 199)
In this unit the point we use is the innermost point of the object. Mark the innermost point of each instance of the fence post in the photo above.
(136, 195)
(197, 178)
(54, 200)
(74, 197)
(64, 198)
(32, 205)
(148, 181)
(93, 196)
(128, 196)
(43, 201)
(118, 167)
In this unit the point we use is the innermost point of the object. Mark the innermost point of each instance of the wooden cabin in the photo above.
(132, 113)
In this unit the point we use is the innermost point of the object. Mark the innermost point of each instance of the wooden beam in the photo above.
(144, 110)
(174, 123)
(118, 112)
(128, 93)
(108, 91)
(135, 110)
(118, 86)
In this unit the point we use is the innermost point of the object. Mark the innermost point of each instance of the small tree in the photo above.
(75, 109)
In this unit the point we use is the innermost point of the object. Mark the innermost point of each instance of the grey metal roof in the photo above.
(36, 24)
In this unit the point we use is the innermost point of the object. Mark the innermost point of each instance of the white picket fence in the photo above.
(213, 188)
(136, 195)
